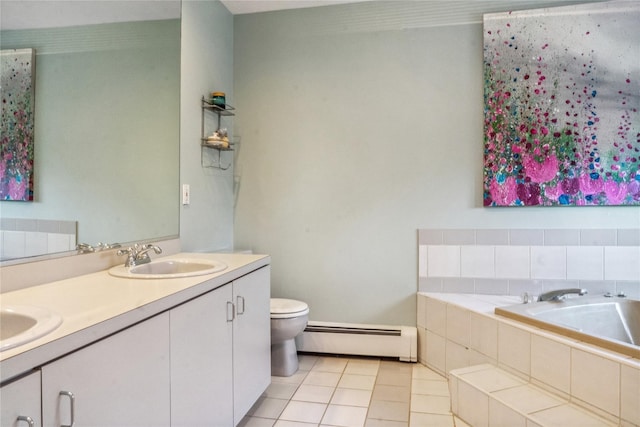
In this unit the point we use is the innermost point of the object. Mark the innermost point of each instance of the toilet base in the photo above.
(284, 358)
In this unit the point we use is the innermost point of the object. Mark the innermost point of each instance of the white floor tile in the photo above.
(418, 419)
(328, 379)
(430, 404)
(364, 367)
(313, 393)
(306, 412)
(351, 397)
(267, 407)
(284, 423)
(280, 390)
(360, 382)
(424, 373)
(430, 387)
(344, 416)
(256, 422)
(330, 364)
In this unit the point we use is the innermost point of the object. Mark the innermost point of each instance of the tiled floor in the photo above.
(355, 392)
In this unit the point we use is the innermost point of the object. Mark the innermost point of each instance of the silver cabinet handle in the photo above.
(72, 401)
(230, 311)
(240, 299)
(27, 420)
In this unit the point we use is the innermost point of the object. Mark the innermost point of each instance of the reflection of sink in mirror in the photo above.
(169, 269)
(22, 324)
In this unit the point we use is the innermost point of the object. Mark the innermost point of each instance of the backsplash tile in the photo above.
(621, 263)
(629, 237)
(459, 237)
(512, 262)
(492, 237)
(561, 237)
(515, 261)
(526, 237)
(585, 262)
(598, 237)
(443, 261)
(477, 261)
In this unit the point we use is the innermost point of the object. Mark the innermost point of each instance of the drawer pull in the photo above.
(240, 303)
(27, 420)
(72, 401)
(230, 311)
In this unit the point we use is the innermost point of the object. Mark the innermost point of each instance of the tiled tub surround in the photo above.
(30, 237)
(457, 331)
(514, 261)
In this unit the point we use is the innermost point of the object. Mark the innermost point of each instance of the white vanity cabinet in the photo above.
(201, 360)
(122, 380)
(251, 339)
(221, 352)
(20, 402)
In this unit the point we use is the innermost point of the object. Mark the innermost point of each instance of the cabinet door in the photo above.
(122, 380)
(251, 339)
(201, 361)
(21, 398)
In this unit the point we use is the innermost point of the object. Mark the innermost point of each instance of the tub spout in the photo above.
(559, 294)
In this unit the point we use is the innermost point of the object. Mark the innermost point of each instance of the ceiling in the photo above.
(238, 7)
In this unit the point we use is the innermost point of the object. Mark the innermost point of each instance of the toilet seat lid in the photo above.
(282, 307)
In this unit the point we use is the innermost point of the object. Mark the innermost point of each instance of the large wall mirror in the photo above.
(107, 111)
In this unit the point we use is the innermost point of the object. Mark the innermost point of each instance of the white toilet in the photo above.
(288, 320)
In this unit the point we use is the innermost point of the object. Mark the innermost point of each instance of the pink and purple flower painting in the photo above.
(16, 124)
(562, 101)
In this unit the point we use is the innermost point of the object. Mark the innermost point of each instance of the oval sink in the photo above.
(169, 269)
(22, 324)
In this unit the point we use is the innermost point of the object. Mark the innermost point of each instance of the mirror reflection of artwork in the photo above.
(562, 101)
(17, 87)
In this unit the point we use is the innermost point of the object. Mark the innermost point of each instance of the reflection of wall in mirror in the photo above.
(21, 238)
(107, 128)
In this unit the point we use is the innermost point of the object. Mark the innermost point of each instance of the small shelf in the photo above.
(205, 143)
(227, 111)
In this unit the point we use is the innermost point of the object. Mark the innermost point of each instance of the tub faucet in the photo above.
(559, 294)
(138, 254)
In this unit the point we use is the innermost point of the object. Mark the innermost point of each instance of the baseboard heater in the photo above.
(363, 340)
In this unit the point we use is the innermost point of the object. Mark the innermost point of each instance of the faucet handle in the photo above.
(130, 253)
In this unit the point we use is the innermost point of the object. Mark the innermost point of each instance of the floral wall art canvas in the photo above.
(16, 161)
(562, 101)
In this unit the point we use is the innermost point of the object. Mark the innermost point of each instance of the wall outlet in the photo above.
(186, 194)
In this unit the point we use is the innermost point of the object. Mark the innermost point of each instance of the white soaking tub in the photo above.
(609, 322)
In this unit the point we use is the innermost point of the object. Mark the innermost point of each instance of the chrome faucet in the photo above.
(138, 254)
(559, 294)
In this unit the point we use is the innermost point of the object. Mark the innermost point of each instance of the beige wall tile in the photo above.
(457, 325)
(596, 381)
(551, 362)
(483, 334)
(502, 415)
(436, 316)
(630, 394)
(514, 348)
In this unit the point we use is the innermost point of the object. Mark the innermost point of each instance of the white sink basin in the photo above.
(169, 269)
(22, 324)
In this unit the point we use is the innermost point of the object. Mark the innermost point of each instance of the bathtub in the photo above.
(612, 323)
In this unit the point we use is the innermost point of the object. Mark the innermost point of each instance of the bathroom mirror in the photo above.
(107, 111)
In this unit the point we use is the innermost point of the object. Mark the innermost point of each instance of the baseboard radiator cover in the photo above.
(359, 339)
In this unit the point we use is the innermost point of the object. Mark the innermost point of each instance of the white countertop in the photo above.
(96, 305)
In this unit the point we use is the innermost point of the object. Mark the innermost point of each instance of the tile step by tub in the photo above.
(486, 396)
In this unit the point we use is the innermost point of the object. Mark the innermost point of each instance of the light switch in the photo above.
(186, 194)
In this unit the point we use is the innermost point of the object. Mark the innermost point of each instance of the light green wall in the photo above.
(361, 124)
(207, 65)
